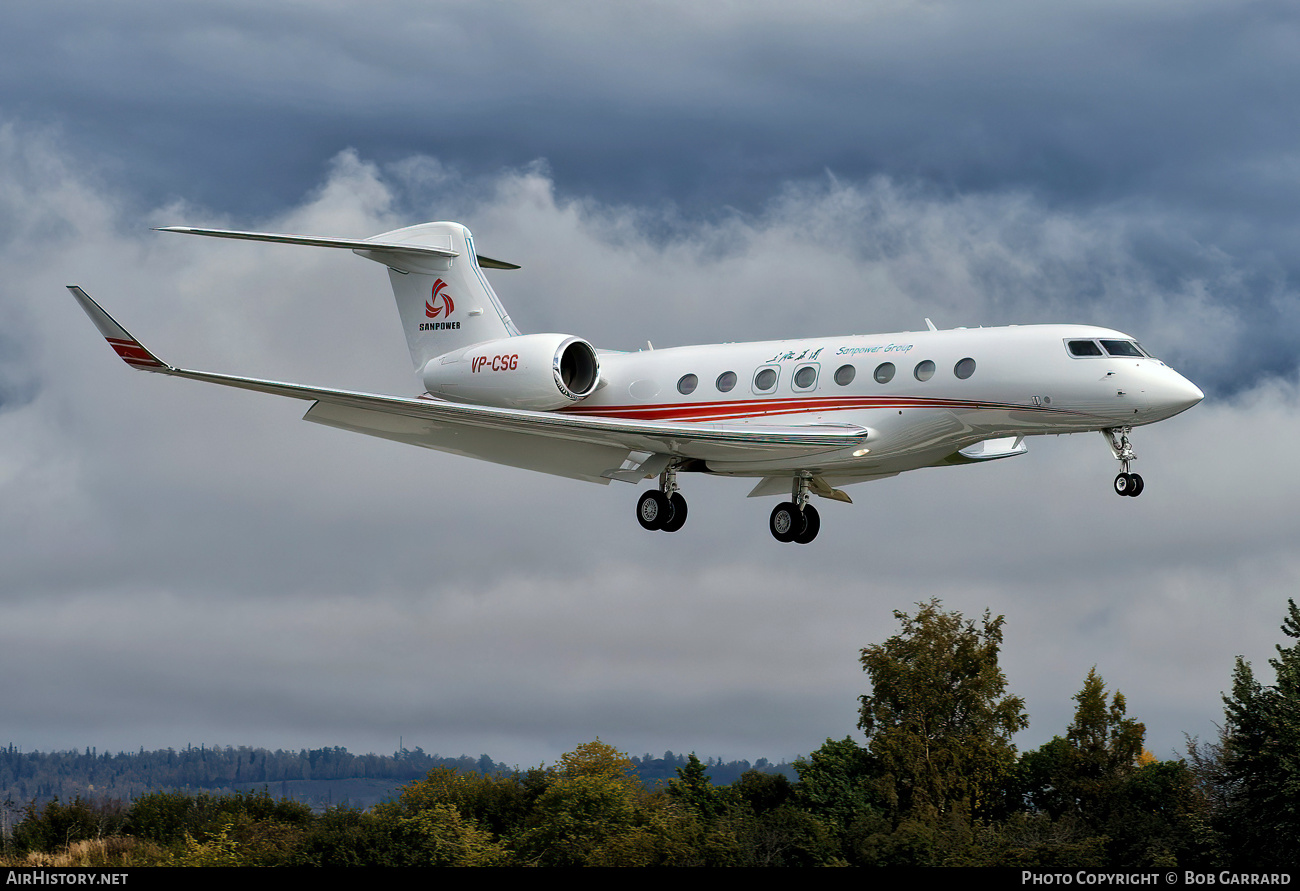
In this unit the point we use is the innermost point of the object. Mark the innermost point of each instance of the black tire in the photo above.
(1138, 485)
(678, 519)
(812, 525)
(785, 522)
(653, 510)
(1123, 484)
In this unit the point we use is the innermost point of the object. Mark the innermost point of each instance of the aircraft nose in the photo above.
(1178, 394)
(1192, 394)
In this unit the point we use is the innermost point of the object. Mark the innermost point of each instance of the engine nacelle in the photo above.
(534, 371)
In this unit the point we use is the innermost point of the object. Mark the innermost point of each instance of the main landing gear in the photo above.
(1126, 483)
(796, 520)
(663, 508)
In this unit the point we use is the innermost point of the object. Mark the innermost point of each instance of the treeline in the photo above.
(937, 782)
(307, 775)
(41, 776)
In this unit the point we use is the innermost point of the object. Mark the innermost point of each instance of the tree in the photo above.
(694, 790)
(595, 812)
(937, 721)
(1100, 799)
(1258, 775)
(835, 782)
(1079, 775)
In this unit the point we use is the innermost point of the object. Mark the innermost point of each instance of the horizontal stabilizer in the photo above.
(355, 244)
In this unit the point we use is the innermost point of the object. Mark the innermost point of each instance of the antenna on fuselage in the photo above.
(930, 325)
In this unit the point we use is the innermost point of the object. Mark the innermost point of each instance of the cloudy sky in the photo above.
(185, 564)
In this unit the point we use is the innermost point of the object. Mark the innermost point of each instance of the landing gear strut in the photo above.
(796, 520)
(663, 508)
(1126, 483)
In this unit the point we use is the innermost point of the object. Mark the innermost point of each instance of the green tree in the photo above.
(937, 720)
(1098, 799)
(1079, 775)
(835, 782)
(595, 812)
(694, 791)
(1258, 777)
(495, 803)
(58, 824)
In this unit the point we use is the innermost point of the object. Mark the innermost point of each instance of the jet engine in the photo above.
(534, 371)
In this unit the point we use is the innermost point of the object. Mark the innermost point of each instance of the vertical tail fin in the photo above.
(445, 303)
(444, 300)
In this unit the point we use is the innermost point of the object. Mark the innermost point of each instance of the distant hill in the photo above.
(319, 777)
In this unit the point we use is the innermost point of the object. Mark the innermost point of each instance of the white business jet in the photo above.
(805, 416)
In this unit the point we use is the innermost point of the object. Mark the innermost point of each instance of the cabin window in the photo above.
(924, 370)
(1084, 348)
(686, 386)
(884, 372)
(1122, 348)
(845, 374)
(964, 369)
(726, 381)
(765, 380)
(805, 377)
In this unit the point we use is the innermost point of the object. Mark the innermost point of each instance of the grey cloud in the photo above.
(701, 107)
(183, 563)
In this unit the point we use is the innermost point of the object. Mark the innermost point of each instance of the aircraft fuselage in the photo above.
(924, 394)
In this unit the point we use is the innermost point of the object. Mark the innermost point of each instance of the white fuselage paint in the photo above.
(1024, 383)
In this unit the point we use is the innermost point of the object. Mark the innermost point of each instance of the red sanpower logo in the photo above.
(439, 303)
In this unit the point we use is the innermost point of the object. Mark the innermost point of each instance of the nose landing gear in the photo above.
(1126, 483)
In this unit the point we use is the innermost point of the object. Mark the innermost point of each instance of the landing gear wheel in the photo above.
(812, 525)
(1137, 485)
(1129, 484)
(786, 522)
(653, 510)
(678, 519)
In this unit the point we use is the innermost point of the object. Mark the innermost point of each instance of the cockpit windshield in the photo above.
(1080, 349)
(1122, 348)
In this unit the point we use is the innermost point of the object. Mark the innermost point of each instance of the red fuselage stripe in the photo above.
(749, 408)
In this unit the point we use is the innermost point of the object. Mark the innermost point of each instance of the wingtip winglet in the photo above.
(130, 350)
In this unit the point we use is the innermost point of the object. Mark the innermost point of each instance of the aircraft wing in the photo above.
(592, 448)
